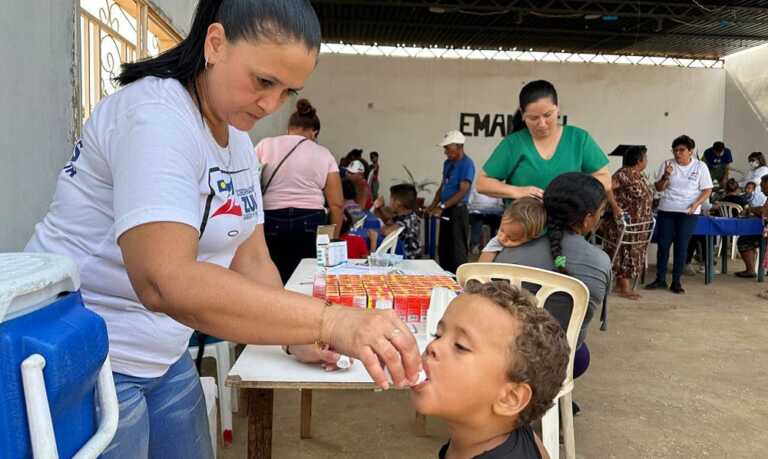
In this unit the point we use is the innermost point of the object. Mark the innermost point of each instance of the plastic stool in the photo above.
(209, 391)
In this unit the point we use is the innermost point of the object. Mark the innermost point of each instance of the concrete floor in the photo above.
(672, 377)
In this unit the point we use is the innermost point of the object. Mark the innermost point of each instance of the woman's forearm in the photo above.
(223, 303)
(495, 188)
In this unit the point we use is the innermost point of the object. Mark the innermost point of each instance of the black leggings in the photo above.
(290, 235)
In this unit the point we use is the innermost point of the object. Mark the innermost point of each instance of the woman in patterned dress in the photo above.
(634, 197)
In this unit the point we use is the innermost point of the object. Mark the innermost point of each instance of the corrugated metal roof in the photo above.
(693, 29)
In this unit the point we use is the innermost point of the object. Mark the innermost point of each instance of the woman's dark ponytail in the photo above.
(517, 122)
(568, 200)
(305, 116)
(556, 231)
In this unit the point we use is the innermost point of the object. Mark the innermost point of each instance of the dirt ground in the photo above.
(672, 377)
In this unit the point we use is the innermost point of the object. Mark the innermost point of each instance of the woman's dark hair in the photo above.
(634, 155)
(685, 141)
(718, 146)
(532, 92)
(757, 155)
(305, 117)
(278, 20)
(731, 186)
(354, 154)
(349, 190)
(569, 199)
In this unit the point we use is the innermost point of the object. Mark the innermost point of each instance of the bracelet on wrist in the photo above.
(319, 341)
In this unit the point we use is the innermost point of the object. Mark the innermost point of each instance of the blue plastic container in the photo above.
(73, 341)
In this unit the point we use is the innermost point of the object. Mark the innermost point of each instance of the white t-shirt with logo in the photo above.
(685, 185)
(147, 156)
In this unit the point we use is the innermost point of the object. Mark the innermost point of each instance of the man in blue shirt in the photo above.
(718, 159)
(450, 203)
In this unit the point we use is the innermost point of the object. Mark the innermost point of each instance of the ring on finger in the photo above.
(395, 333)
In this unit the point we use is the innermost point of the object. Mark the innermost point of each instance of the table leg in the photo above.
(260, 406)
(306, 413)
(709, 260)
(725, 253)
(761, 261)
(421, 425)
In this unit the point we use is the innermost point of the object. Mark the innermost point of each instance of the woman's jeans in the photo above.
(677, 228)
(291, 235)
(162, 417)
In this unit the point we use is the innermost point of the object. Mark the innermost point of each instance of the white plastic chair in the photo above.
(730, 210)
(389, 244)
(228, 398)
(209, 392)
(550, 283)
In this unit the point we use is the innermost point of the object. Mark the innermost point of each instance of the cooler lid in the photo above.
(30, 281)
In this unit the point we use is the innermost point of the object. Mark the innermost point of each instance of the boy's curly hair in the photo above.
(539, 353)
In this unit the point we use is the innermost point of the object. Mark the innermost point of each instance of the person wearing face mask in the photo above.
(685, 185)
(162, 213)
(540, 149)
(758, 169)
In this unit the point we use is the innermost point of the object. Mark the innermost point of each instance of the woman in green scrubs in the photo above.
(539, 149)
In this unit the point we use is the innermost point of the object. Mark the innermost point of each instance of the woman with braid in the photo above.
(574, 203)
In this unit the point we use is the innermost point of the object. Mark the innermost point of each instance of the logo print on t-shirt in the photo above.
(231, 207)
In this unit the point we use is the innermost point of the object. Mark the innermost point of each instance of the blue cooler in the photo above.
(53, 356)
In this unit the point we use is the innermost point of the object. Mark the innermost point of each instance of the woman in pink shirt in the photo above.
(299, 177)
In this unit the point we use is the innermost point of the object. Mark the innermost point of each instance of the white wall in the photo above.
(746, 104)
(37, 118)
(402, 106)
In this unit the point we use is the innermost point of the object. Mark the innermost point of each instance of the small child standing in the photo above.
(495, 366)
(402, 203)
(523, 221)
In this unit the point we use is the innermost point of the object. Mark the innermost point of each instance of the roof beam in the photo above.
(675, 10)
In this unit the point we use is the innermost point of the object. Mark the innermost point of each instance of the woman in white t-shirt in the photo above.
(685, 185)
(160, 206)
(300, 176)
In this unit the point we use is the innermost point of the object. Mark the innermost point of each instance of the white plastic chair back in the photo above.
(359, 224)
(730, 209)
(389, 244)
(633, 234)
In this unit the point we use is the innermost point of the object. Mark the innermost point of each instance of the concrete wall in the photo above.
(39, 90)
(402, 106)
(179, 12)
(37, 119)
(746, 104)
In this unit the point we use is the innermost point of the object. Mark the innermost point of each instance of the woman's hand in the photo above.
(379, 339)
(527, 191)
(692, 209)
(312, 353)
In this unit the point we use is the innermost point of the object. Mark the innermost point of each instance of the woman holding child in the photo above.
(574, 204)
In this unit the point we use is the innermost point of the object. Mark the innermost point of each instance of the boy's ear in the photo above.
(513, 399)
